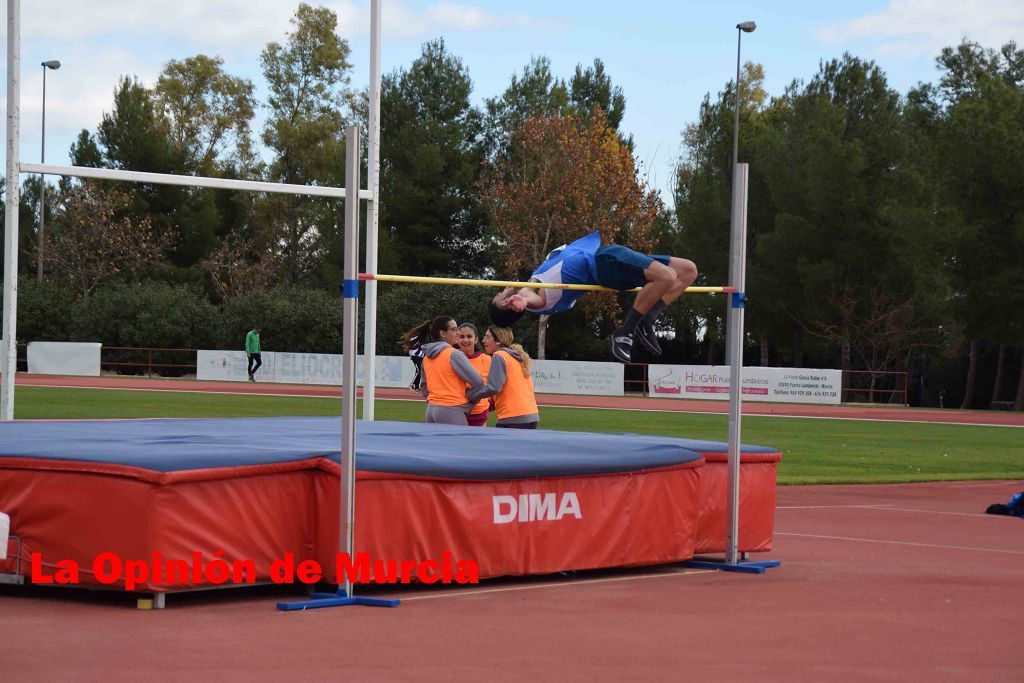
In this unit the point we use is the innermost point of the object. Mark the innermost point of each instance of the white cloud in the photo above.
(100, 42)
(400, 20)
(912, 28)
(470, 18)
(76, 96)
(222, 23)
(231, 24)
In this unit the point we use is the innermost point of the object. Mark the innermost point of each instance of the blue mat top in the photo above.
(385, 447)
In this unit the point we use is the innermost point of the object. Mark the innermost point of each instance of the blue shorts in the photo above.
(621, 268)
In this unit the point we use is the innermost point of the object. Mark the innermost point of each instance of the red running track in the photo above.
(902, 582)
(852, 412)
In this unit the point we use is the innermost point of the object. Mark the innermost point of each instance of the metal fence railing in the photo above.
(635, 378)
(128, 360)
(134, 360)
(875, 387)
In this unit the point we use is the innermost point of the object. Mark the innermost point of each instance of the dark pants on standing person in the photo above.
(255, 361)
(518, 425)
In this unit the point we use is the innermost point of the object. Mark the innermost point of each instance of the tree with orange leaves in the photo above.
(564, 177)
(97, 239)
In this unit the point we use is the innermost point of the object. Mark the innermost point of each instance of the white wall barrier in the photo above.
(549, 376)
(299, 368)
(708, 382)
(64, 358)
(578, 377)
(781, 385)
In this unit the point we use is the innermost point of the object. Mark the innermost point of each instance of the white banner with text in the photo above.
(711, 382)
(298, 368)
(549, 376)
(64, 358)
(577, 377)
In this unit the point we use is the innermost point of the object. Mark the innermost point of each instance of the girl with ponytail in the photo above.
(447, 373)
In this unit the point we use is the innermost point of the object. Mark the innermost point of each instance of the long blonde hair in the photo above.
(503, 336)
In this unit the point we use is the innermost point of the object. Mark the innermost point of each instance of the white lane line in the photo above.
(909, 543)
(791, 417)
(544, 404)
(880, 506)
(981, 484)
(568, 583)
(204, 391)
(825, 507)
(935, 512)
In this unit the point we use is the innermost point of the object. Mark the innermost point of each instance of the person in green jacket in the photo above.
(252, 349)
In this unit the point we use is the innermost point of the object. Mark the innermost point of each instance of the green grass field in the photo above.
(815, 451)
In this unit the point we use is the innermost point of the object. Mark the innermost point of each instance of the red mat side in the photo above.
(509, 527)
(623, 520)
(77, 515)
(757, 503)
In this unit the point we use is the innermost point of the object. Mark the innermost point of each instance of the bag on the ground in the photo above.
(1014, 508)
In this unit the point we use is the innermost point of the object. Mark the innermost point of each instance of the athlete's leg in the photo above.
(685, 272)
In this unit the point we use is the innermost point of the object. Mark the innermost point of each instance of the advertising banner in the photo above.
(781, 385)
(575, 377)
(298, 368)
(64, 358)
(549, 376)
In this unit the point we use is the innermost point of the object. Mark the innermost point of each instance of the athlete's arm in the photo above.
(519, 300)
(465, 370)
(495, 381)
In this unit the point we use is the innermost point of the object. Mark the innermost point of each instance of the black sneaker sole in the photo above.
(616, 356)
(641, 336)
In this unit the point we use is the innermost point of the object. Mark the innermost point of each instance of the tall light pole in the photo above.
(49, 64)
(742, 27)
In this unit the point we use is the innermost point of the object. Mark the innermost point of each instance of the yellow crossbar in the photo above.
(509, 283)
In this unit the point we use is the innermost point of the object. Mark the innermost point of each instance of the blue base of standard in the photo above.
(746, 566)
(339, 599)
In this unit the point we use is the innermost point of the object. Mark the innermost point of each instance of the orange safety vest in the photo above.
(516, 397)
(482, 363)
(444, 386)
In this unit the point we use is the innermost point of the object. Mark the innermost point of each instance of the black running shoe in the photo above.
(622, 346)
(645, 335)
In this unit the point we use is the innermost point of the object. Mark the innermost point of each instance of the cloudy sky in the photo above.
(665, 54)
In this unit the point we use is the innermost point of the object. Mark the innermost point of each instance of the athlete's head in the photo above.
(469, 341)
(496, 337)
(507, 307)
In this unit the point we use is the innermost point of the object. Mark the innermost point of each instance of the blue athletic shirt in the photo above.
(569, 264)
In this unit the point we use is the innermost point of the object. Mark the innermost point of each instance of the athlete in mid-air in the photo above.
(662, 280)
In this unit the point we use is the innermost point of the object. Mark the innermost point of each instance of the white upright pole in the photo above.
(12, 200)
(737, 278)
(350, 348)
(42, 187)
(372, 217)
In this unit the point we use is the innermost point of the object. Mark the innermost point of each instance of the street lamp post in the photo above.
(49, 64)
(742, 27)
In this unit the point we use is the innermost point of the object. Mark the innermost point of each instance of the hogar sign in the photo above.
(781, 385)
